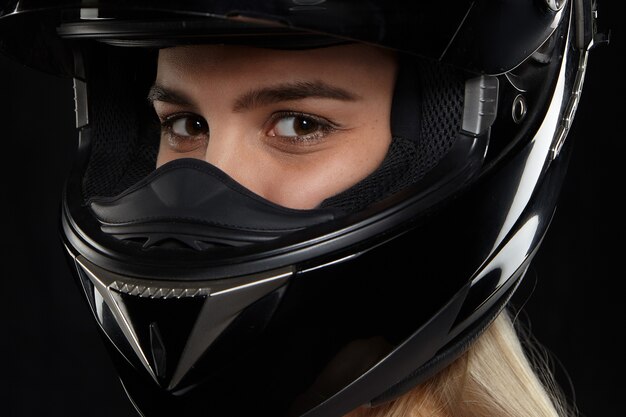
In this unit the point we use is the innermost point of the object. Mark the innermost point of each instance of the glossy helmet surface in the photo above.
(213, 308)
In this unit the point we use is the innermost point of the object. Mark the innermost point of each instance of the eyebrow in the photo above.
(263, 96)
(160, 93)
(291, 91)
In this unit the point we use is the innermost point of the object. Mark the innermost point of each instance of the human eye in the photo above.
(299, 128)
(185, 132)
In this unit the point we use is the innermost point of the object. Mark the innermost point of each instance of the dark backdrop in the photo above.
(53, 362)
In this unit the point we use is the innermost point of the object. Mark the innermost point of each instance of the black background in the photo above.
(54, 364)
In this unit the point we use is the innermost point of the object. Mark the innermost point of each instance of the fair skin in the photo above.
(293, 126)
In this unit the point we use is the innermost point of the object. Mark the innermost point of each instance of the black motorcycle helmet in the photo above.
(232, 305)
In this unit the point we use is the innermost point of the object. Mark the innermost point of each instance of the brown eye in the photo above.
(189, 126)
(293, 126)
(185, 132)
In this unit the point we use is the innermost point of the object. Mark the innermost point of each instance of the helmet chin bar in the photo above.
(142, 318)
(143, 311)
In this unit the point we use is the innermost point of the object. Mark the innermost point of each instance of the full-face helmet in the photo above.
(213, 300)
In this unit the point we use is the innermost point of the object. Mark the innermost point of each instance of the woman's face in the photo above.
(295, 127)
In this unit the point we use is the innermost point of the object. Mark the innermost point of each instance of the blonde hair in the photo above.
(496, 377)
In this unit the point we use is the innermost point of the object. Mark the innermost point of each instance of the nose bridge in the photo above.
(231, 149)
(225, 144)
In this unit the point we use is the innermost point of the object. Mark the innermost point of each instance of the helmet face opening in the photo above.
(214, 298)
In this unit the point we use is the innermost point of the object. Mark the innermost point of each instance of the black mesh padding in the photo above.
(397, 171)
(139, 166)
(123, 131)
(443, 90)
(440, 116)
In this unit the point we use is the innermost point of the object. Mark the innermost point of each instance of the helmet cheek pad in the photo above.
(214, 300)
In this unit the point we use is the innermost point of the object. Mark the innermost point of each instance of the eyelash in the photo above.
(325, 127)
(176, 140)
